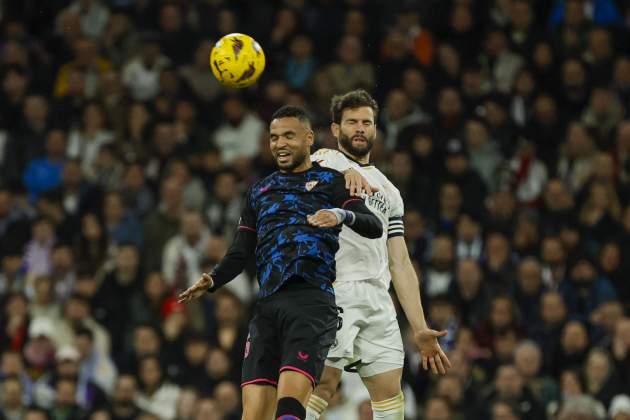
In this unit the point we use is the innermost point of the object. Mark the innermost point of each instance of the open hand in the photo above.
(196, 290)
(356, 183)
(323, 219)
(432, 354)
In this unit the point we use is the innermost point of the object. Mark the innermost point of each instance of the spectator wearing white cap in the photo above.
(67, 365)
(620, 407)
(39, 350)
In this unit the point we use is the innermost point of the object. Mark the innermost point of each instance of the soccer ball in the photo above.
(237, 60)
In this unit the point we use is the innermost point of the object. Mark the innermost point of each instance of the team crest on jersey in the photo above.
(310, 185)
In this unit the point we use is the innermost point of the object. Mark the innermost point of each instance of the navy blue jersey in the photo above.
(287, 245)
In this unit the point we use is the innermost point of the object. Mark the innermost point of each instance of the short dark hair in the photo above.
(82, 331)
(12, 378)
(351, 100)
(34, 409)
(150, 356)
(290, 111)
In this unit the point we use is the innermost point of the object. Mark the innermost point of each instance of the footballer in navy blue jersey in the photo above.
(287, 245)
(291, 223)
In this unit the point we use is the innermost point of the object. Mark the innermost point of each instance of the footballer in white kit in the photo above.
(370, 337)
(369, 340)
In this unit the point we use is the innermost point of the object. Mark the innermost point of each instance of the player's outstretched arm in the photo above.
(408, 291)
(196, 290)
(355, 215)
(230, 266)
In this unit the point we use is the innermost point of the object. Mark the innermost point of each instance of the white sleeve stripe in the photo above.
(396, 230)
(396, 223)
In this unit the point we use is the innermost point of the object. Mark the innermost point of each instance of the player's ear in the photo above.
(310, 137)
(334, 129)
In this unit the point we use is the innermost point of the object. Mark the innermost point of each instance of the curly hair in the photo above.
(354, 99)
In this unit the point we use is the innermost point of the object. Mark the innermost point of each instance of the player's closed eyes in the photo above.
(366, 123)
(289, 136)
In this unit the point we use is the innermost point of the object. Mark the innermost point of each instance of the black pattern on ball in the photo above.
(247, 73)
(237, 47)
(216, 66)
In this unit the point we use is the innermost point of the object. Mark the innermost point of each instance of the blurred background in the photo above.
(504, 123)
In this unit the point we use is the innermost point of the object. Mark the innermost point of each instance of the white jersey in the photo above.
(360, 258)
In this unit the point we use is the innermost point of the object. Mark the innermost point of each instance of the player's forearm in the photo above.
(408, 291)
(406, 282)
(233, 263)
(363, 221)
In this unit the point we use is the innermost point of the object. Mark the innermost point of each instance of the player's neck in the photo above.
(363, 160)
(302, 167)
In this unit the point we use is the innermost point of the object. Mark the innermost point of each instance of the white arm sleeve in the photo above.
(395, 225)
(333, 159)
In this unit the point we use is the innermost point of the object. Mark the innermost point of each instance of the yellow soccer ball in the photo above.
(237, 60)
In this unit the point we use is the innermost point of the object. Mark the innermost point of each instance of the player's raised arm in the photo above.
(355, 215)
(351, 211)
(233, 263)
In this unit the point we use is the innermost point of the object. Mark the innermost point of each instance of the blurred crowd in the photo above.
(504, 123)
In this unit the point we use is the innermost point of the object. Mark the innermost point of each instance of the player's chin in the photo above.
(285, 163)
(360, 150)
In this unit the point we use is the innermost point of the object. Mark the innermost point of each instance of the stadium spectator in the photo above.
(141, 73)
(12, 406)
(155, 394)
(181, 263)
(238, 137)
(505, 127)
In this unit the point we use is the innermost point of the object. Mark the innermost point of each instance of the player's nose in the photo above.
(280, 144)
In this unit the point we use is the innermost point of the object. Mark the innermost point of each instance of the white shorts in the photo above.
(370, 331)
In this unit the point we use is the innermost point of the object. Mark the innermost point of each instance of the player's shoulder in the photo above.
(263, 183)
(389, 190)
(382, 178)
(324, 178)
(325, 171)
(324, 151)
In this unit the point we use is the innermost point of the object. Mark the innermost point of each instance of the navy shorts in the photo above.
(291, 329)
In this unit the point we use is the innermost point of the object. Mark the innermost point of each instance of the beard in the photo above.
(296, 160)
(358, 151)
